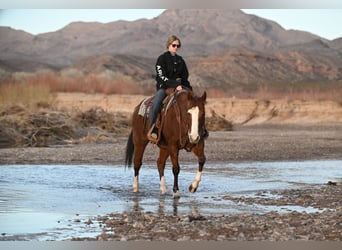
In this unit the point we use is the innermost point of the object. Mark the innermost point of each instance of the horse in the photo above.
(181, 126)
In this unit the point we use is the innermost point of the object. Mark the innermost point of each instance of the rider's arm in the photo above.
(162, 80)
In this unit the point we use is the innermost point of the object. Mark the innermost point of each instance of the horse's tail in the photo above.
(129, 150)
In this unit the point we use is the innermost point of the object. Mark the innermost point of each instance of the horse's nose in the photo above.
(194, 141)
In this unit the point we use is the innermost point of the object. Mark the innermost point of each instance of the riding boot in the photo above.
(152, 134)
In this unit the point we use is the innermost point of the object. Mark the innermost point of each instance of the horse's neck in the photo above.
(171, 98)
(168, 101)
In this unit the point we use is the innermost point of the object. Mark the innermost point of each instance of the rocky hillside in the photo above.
(242, 67)
(223, 48)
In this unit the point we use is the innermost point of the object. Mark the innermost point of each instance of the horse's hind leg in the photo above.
(138, 156)
(163, 155)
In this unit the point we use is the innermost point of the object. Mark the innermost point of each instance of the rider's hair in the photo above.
(171, 39)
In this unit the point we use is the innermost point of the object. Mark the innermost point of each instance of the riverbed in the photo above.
(62, 202)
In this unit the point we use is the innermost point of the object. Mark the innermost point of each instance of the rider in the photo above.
(172, 72)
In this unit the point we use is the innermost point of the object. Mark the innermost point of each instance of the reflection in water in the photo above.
(162, 207)
(60, 193)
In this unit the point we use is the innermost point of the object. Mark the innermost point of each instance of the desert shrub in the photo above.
(21, 77)
(110, 75)
(215, 122)
(325, 90)
(71, 73)
(3, 74)
(20, 126)
(28, 95)
(214, 92)
(98, 117)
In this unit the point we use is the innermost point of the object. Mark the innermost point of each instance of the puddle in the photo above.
(47, 226)
(58, 202)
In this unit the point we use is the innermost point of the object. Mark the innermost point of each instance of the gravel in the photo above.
(325, 225)
(258, 143)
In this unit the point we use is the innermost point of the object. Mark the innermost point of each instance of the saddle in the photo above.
(145, 109)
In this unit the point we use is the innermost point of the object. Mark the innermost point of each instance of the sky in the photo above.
(323, 22)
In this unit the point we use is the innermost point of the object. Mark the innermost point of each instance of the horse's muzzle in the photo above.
(194, 141)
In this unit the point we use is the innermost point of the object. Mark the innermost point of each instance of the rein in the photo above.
(176, 109)
(184, 142)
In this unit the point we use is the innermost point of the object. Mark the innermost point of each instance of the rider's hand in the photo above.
(179, 87)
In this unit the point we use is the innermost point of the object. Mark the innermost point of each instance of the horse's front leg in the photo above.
(198, 150)
(175, 170)
(163, 154)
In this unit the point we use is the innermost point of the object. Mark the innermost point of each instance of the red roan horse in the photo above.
(182, 127)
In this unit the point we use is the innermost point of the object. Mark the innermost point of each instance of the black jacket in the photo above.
(168, 69)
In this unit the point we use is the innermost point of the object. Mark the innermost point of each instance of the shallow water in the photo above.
(57, 202)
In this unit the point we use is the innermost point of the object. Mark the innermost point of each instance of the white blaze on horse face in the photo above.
(194, 124)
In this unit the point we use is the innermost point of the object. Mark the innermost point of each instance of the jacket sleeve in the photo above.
(162, 80)
(185, 76)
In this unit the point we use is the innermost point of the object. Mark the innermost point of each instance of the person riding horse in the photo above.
(172, 72)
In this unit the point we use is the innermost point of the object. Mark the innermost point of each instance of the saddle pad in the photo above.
(145, 107)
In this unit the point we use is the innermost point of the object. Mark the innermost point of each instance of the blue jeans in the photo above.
(156, 105)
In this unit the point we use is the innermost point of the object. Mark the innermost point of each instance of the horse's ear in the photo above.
(204, 96)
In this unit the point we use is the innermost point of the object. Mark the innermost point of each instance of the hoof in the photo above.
(162, 189)
(192, 189)
(176, 195)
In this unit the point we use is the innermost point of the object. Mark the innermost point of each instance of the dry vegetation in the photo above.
(31, 116)
(110, 82)
(72, 81)
(44, 126)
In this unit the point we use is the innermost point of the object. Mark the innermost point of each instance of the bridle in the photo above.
(185, 142)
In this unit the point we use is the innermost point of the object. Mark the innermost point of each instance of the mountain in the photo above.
(213, 30)
(337, 44)
(222, 48)
(138, 68)
(202, 32)
(241, 67)
(233, 68)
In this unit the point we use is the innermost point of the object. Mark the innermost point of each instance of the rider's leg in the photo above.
(156, 107)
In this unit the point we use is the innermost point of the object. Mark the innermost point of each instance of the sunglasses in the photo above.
(175, 45)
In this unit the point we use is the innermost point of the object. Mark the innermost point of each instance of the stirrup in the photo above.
(153, 137)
